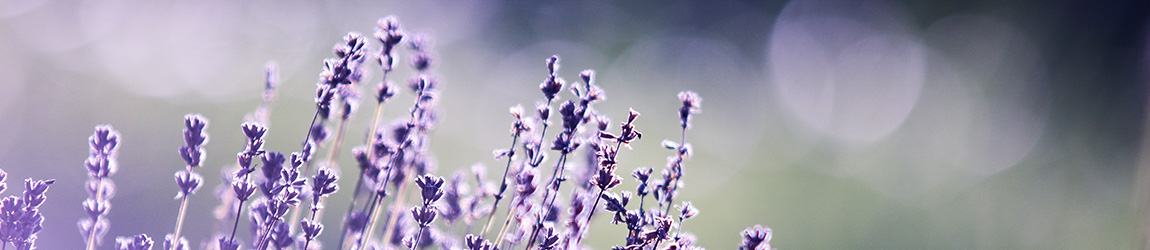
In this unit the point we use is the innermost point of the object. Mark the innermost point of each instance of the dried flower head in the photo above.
(691, 102)
(389, 34)
(553, 84)
(686, 210)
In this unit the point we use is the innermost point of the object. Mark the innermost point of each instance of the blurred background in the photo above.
(875, 124)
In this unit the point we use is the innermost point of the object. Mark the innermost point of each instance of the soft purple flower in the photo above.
(138, 242)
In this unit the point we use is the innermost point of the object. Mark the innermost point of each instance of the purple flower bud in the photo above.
(686, 210)
(755, 238)
(323, 184)
(587, 76)
(311, 229)
(253, 131)
(473, 242)
(525, 181)
(138, 242)
(194, 126)
(188, 182)
(243, 189)
(553, 84)
(228, 244)
(423, 215)
(384, 91)
(430, 188)
(691, 102)
(548, 238)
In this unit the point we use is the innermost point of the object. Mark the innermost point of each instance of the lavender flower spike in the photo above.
(20, 218)
(323, 184)
(101, 164)
(193, 154)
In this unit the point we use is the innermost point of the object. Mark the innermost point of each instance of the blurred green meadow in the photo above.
(839, 124)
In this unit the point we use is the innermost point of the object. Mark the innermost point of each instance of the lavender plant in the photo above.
(396, 156)
(101, 164)
(20, 218)
(193, 154)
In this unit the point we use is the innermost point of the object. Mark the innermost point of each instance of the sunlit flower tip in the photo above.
(431, 187)
(388, 23)
(690, 99)
(194, 125)
(756, 238)
(553, 64)
(602, 122)
(587, 76)
(104, 140)
(253, 131)
(516, 111)
(553, 84)
(686, 210)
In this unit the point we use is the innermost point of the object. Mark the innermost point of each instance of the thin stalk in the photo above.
(559, 165)
(503, 230)
(393, 215)
(675, 185)
(267, 236)
(415, 244)
(180, 219)
(596, 205)
(239, 209)
(503, 186)
(351, 208)
(679, 175)
(92, 231)
(328, 161)
(680, 230)
(370, 151)
(371, 220)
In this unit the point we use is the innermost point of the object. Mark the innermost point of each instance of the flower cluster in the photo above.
(448, 213)
(193, 154)
(20, 218)
(101, 164)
